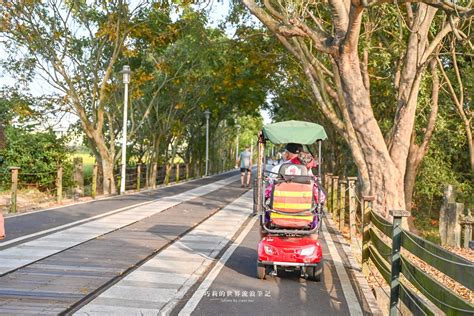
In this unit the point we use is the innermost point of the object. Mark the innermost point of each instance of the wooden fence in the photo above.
(137, 178)
(396, 254)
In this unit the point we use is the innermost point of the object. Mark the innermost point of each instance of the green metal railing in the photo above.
(391, 249)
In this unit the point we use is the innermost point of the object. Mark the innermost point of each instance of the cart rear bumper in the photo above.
(287, 264)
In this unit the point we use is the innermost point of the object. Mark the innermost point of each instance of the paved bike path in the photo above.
(58, 283)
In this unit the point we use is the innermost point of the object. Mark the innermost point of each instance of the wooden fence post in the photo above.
(352, 207)
(366, 208)
(94, 181)
(328, 184)
(396, 259)
(13, 201)
(110, 185)
(139, 176)
(342, 204)
(59, 184)
(327, 180)
(187, 171)
(335, 186)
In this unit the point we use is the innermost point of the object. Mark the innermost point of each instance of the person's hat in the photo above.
(294, 148)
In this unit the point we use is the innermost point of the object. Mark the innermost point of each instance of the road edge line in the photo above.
(356, 269)
(207, 282)
(346, 285)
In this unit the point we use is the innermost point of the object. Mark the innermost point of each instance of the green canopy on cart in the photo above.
(305, 133)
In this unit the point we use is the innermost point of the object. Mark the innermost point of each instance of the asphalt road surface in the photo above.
(179, 250)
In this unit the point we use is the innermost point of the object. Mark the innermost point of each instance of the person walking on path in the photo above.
(245, 160)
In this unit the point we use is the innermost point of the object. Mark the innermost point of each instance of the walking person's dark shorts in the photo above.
(244, 169)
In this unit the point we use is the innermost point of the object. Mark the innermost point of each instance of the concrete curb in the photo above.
(357, 270)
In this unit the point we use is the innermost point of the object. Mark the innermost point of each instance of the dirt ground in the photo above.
(31, 200)
(376, 280)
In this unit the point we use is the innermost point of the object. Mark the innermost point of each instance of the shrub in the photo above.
(38, 154)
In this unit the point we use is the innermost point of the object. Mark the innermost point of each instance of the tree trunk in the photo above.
(413, 164)
(385, 180)
(103, 157)
(108, 173)
(417, 152)
(3, 142)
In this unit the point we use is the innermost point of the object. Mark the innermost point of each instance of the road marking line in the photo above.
(365, 290)
(351, 299)
(201, 291)
(192, 267)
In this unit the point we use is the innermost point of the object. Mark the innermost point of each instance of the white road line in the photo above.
(24, 255)
(201, 291)
(357, 270)
(351, 299)
(183, 262)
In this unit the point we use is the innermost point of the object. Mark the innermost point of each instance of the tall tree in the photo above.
(325, 36)
(74, 46)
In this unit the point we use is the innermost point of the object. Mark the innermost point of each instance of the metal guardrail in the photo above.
(418, 290)
(459, 269)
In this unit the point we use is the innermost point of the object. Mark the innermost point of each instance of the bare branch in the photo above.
(448, 27)
(434, 108)
(340, 17)
(295, 28)
(352, 37)
(445, 5)
(273, 11)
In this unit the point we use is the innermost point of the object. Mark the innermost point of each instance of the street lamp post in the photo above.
(126, 81)
(207, 114)
(237, 145)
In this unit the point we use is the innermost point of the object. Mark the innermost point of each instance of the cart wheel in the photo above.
(314, 273)
(261, 272)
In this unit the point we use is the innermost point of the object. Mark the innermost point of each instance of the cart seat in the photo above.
(292, 198)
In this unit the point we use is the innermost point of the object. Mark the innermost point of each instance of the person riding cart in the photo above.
(290, 211)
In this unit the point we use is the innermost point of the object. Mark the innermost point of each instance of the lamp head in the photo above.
(207, 114)
(126, 74)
